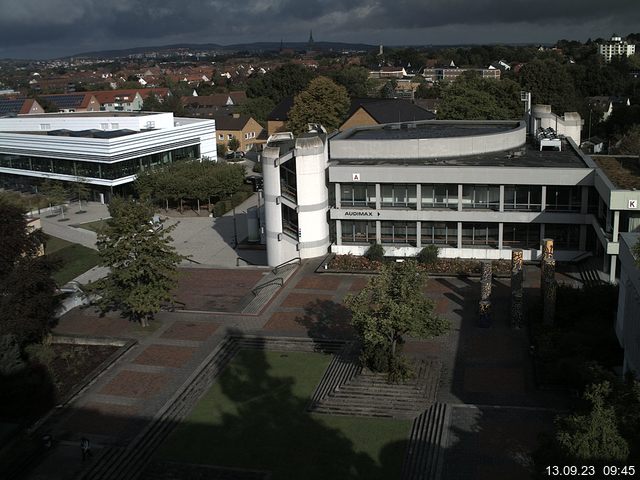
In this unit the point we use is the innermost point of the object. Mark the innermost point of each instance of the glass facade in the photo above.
(403, 233)
(521, 235)
(564, 199)
(565, 237)
(358, 195)
(358, 232)
(288, 182)
(395, 195)
(439, 233)
(523, 198)
(289, 221)
(439, 196)
(482, 197)
(101, 170)
(480, 235)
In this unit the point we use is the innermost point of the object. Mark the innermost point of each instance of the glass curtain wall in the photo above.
(439, 196)
(358, 232)
(481, 197)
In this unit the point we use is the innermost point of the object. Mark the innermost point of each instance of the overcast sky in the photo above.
(51, 28)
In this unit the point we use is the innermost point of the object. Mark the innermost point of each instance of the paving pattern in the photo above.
(480, 367)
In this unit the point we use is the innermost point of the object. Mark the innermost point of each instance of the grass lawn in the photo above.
(74, 259)
(254, 418)
(93, 226)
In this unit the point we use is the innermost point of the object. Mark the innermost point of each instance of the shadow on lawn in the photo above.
(263, 425)
(252, 421)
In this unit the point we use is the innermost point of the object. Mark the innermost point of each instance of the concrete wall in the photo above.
(443, 147)
(85, 121)
(628, 318)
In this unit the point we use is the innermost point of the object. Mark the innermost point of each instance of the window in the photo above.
(104, 126)
(45, 126)
(440, 196)
(403, 233)
(358, 195)
(288, 181)
(221, 136)
(485, 197)
(229, 136)
(480, 235)
(521, 235)
(524, 198)
(565, 237)
(358, 232)
(439, 233)
(563, 199)
(398, 195)
(289, 221)
(115, 126)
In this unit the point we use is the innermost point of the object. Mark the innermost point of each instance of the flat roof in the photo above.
(624, 172)
(89, 114)
(528, 155)
(427, 129)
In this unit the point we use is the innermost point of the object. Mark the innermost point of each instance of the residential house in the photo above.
(19, 106)
(73, 102)
(242, 127)
(362, 112)
(210, 105)
(388, 72)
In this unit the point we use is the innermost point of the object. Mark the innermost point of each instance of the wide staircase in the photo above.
(424, 455)
(347, 389)
(260, 295)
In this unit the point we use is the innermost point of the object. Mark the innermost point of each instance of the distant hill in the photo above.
(240, 47)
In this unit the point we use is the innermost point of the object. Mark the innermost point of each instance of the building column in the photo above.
(584, 204)
(418, 233)
(459, 234)
(338, 194)
(459, 200)
(378, 200)
(501, 206)
(541, 234)
(338, 232)
(500, 234)
(419, 196)
(612, 270)
(543, 200)
(378, 232)
(616, 225)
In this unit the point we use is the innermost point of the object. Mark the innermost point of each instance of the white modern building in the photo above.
(476, 189)
(103, 149)
(628, 320)
(615, 47)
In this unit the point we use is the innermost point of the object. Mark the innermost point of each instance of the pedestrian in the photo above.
(85, 445)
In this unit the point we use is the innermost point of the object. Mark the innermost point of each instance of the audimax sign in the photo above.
(359, 213)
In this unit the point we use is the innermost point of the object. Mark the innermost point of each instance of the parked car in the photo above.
(233, 155)
(256, 181)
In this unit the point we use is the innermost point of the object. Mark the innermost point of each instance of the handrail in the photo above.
(266, 284)
(248, 262)
(188, 259)
(278, 267)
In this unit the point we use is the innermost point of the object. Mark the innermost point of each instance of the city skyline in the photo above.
(54, 28)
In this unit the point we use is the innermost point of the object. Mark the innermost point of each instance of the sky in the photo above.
(54, 28)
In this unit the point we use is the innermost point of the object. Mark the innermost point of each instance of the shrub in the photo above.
(257, 167)
(375, 253)
(428, 255)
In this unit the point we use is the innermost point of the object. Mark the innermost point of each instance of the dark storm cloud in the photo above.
(100, 24)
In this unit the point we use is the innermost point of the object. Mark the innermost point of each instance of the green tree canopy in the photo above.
(355, 79)
(630, 142)
(285, 81)
(549, 83)
(471, 97)
(322, 102)
(258, 108)
(142, 260)
(27, 291)
(391, 306)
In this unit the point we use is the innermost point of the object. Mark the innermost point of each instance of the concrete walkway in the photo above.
(69, 230)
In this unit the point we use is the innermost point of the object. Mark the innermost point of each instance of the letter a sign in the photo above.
(356, 177)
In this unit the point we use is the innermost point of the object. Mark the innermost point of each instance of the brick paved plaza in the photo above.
(482, 368)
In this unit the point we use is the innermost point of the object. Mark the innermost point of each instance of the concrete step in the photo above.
(427, 442)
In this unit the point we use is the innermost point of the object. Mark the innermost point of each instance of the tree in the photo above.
(355, 79)
(258, 108)
(391, 306)
(471, 97)
(27, 292)
(285, 81)
(549, 83)
(322, 102)
(80, 189)
(55, 194)
(389, 89)
(593, 437)
(630, 142)
(234, 144)
(151, 103)
(142, 260)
